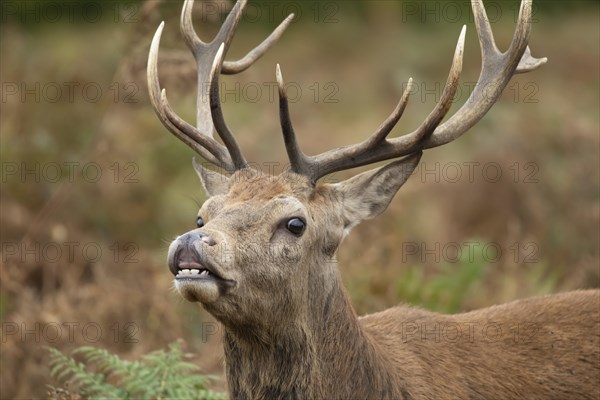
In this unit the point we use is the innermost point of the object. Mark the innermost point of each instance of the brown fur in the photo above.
(291, 332)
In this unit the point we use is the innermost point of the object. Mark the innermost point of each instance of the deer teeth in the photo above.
(193, 271)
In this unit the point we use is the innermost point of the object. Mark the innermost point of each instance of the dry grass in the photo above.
(547, 124)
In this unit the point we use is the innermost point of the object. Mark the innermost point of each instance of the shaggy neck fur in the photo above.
(324, 351)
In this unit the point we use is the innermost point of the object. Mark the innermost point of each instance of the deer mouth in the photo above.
(197, 276)
(199, 282)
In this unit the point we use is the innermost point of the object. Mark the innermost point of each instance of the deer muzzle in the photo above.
(193, 261)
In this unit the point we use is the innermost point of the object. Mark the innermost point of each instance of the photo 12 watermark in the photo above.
(68, 171)
(69, 11)
(460, 11)
(70, 332)
(69, 92)
(526, 172)
(55, 252)
(470, 251)
(325, 12)
(449, 332)
(517, 92)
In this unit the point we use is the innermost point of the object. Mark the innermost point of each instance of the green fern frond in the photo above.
(162, 374)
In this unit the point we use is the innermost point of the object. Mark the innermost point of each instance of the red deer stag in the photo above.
(262, 259)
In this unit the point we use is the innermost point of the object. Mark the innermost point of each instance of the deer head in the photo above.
(263, 242)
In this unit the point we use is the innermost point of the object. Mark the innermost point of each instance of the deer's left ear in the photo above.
(368, 194)
(214, 183)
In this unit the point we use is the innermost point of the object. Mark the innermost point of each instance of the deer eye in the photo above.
(199, 222)
(296, 226)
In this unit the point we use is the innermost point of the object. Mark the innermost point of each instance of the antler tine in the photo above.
(386, 127)
(497, 69)
(443, 106)
(201, 144)
(484, 31)
(529, 63)
(203, 140)
(522, 31)
(298, 161)
(234, 67)
(187, 27)
(230, 25)
(217, 113)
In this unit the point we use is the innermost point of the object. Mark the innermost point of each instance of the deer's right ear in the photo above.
(214, 183)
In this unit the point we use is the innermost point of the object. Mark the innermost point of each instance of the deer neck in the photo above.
(323, 350)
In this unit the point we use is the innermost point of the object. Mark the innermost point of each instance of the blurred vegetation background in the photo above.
(94, 188)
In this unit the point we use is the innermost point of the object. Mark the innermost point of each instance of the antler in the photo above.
(497, 69)
(209, 60)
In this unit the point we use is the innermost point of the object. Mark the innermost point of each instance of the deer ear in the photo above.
(214, 183)
(368, 194)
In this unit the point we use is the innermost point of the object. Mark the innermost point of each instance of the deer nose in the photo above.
(193, 236)
(207, 239)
